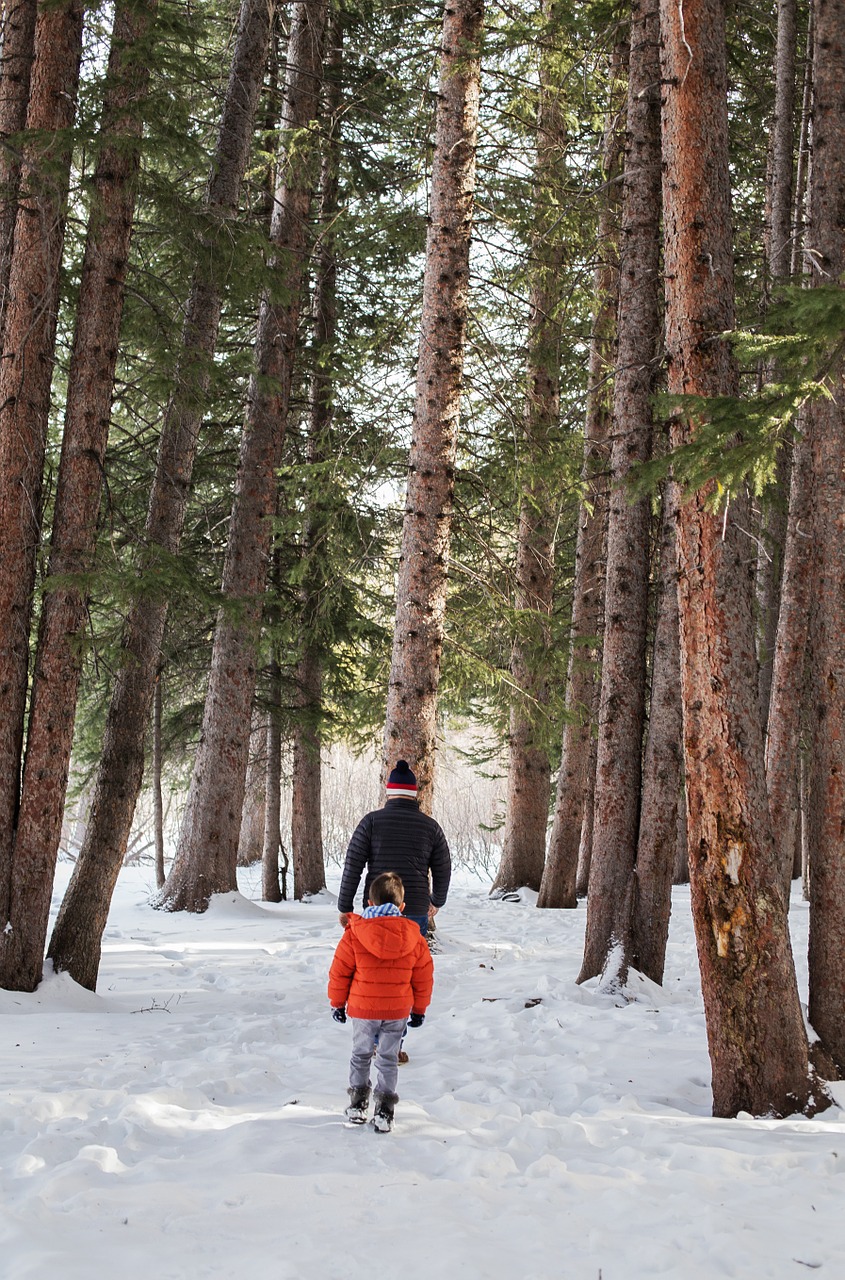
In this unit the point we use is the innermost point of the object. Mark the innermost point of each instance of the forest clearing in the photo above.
(187, 1120)
(421, 383)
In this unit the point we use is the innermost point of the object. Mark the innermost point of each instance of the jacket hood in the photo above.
(385, 936)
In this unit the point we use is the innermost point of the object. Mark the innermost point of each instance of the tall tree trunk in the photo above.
(527, 805)
(77, 935)
(803, 163)
(681, 875)
(623, 682)
(25, 376)
(780, 187)
(18, 52)
(58, 661)
(158, 797)
(423, 562)
(758, 1045)
(309, 874)
(790, 660)
(657, 840)
(826, 244)
(205, 861)
(778, 248)
(251, 837)
(576, 775)
(585, 849)
(270, 888)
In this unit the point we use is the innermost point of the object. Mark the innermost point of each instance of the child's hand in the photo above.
(339, 1015)
(416, 1020)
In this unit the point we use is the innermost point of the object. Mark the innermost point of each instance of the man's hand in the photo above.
(344, 918)
(432, 910)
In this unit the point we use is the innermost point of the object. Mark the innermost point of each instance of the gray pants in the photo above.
(364, 1033)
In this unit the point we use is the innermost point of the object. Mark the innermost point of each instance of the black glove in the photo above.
(339, 1015)
(416, 1020)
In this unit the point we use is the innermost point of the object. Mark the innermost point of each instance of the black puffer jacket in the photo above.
(398, 838)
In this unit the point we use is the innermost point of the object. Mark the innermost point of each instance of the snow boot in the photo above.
(383, 1115)
(359, 1102)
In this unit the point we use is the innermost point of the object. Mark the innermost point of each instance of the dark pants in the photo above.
(422, 922)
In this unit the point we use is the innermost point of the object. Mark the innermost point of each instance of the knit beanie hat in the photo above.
(402, 782)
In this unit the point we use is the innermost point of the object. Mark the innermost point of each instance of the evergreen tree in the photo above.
(421, 588)
(758, 1045)
(826, 239)
(29, 338)
(90, 386)
(205, 861)
(623, 678)
(76, 940)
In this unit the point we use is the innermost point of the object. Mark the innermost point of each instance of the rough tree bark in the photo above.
(309, 875)
(18, 51)
(778, 252)
(25, 375)
(657, 840)
(573, 795)
(623, 680)
(251, 838)
(206, 855)
(271, 890)
(77, 935)
(825, 243)
(423, 562)
(790, 661)
(528, 787)
(158, 795)
(803, 161)
(58, 661)
(756, 1036)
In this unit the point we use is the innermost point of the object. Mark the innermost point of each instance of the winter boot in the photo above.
(359, 1102)
(383, 1115)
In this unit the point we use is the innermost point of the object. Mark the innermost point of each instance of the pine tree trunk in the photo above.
(270, 887)
(778, 249)
(623, 682)
(18, 52)
(803, 163)
(576, 776)
(657, 840)
(87, 413)
(585, 849)
(758, 1045)
(681, 875)
(205, 861)
(158, 797)
(25, 376)
(251, 837)
(309, 874)
(77, 935)
(527, 805)
(826, 239)
(788, 677)
(423, 563)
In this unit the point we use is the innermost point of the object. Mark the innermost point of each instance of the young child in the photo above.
(382, 969)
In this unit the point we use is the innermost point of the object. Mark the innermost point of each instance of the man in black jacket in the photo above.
(399, 838)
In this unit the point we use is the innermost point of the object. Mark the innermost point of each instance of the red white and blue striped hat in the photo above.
(402, 782)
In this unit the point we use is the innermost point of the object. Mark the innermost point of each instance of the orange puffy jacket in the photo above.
(382, 968)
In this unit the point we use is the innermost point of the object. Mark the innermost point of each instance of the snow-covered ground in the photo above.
(185, 1122)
